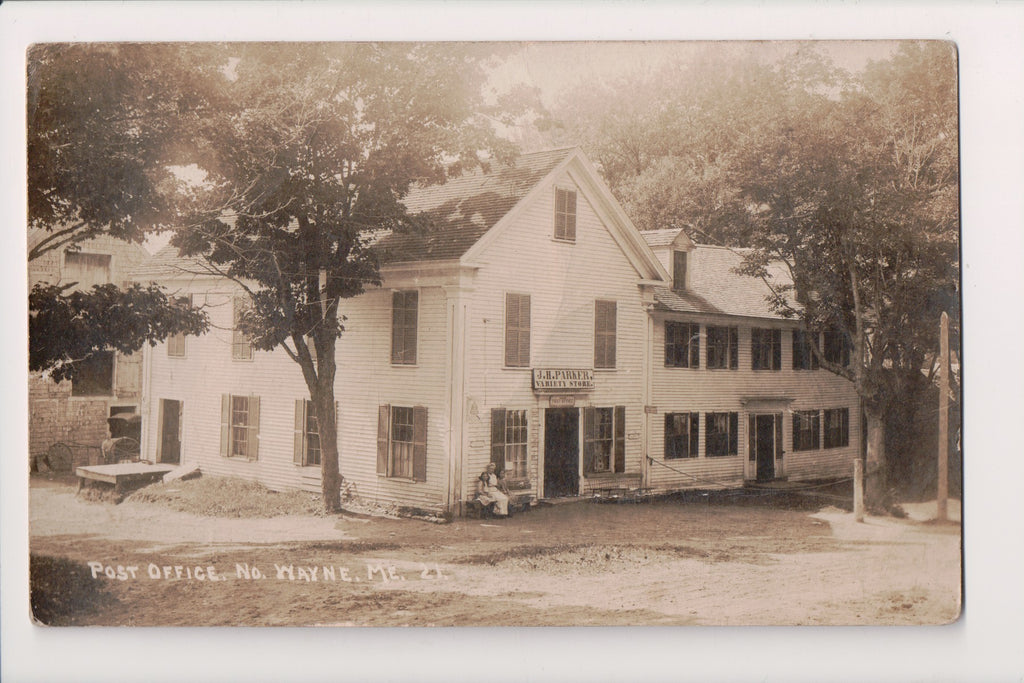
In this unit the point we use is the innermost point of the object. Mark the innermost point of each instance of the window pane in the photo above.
(94, 376)
(401, 441)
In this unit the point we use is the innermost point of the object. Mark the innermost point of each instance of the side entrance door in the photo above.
(169, 446)
(561, 452)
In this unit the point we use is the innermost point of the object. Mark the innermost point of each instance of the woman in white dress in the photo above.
(488, 491)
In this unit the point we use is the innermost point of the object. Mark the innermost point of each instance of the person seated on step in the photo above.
(489, 491)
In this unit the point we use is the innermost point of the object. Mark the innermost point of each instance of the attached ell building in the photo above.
(535, 326)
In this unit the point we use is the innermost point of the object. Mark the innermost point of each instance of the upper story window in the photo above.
(87, 270)
(517, 330)
(94, 376)
(679, 270)
(836, 348)
(404, 315)
(565, 214)
(604, 334)
(803, 357)
(176, 343)
(766, 349)
(682, 345)
(241, 345)
(723, 348)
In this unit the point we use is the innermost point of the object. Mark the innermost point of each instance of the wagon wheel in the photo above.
(58, 457)
(126, 448)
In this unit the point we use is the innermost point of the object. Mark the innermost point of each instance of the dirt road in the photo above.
(696, 561)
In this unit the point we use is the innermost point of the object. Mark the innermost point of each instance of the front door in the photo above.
(170, 432)
(765, 443)
(561, 452)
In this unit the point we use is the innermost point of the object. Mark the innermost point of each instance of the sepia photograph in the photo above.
(494, 334)
(436, 343)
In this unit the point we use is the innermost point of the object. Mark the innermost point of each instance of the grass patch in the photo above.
(227, 497)
(62, 590)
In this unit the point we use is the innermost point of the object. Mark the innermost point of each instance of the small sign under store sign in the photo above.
(562, 401)
(563, 379)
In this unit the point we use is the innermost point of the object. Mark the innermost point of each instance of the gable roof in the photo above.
(667, 237)
(714, 287)
(460, 211)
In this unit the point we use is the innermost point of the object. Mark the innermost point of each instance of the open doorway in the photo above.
(561, 452)
(169, 448)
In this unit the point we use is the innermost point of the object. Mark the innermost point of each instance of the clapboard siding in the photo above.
(563, 280)
(703, 390)
(365, 379)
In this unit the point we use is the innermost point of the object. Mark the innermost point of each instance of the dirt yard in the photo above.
(728, 559)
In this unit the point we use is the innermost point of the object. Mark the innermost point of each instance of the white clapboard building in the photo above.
(538, 328)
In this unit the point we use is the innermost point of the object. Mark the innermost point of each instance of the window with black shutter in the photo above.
(682, 435)
(837, 428)
(806, 430)
(766, 349)
(723, 347)
(517, 330)
(721, 434)
(682, 345)
(604, 334)
(402, 442)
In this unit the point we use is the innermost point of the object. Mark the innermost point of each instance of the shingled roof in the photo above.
(461, 210)
(715, 287)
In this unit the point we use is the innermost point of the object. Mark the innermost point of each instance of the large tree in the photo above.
(856, 191)
(103, 120)
(306, 162)
(849, 179)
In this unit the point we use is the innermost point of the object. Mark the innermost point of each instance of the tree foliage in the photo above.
(69, 327)
(849, 180)
(306, 162)
(103, 126)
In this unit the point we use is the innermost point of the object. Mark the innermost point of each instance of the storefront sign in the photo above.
(563, 379)
(561, 401)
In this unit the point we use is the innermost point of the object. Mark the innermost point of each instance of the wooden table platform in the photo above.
(123, 474)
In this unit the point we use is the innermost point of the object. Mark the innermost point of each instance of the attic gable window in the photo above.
(565, 214)
(679, 270)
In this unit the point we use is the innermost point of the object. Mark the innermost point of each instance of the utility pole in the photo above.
(942, 513)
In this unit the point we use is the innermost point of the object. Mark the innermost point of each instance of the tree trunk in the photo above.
(875, 486)
(330, 471)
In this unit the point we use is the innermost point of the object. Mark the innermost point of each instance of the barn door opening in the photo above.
(561, 452)
(170, 432)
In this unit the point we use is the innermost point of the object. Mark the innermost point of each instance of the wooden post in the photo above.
(858, 490)
(942, 512)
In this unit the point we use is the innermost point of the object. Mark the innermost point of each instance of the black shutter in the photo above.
(620, 439)
(694, 435)
(498, 437)
(734, 429)
(670, 434)
(734, 347)
(419, 443)
(694, 342)
(776, 349)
